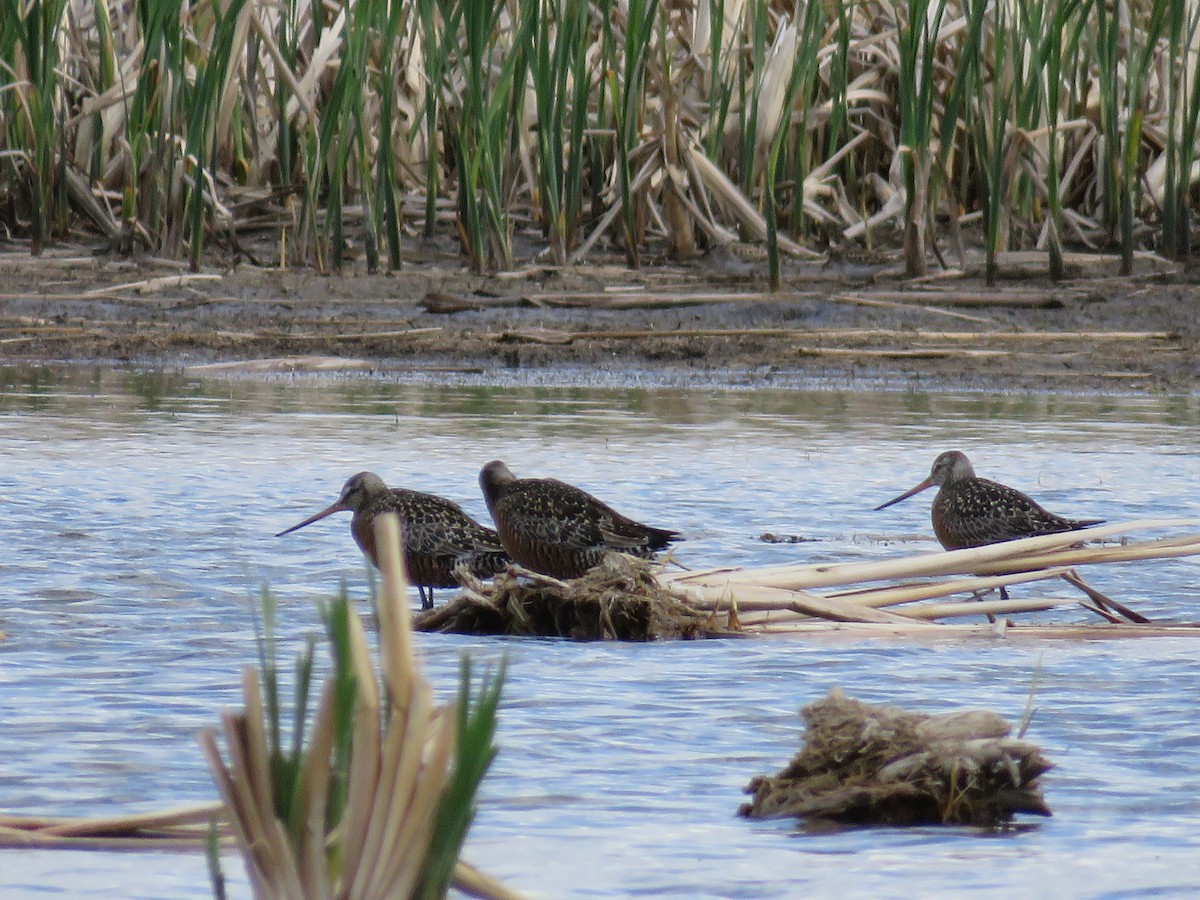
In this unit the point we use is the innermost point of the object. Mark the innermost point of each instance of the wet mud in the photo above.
(835, 321)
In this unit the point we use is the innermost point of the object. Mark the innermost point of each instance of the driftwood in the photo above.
(872, 764)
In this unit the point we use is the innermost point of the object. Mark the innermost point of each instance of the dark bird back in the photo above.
(441, 542)
(557, 529)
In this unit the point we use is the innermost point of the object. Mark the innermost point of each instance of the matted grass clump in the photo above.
(619, 600)
(863, 763)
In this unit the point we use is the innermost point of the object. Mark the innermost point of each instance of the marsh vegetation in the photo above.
(544, 127)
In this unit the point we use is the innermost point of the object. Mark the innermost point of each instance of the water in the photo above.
(138, 521)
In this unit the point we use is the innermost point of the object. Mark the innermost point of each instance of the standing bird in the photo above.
(441, 542)
(970, 511)
(559, 530)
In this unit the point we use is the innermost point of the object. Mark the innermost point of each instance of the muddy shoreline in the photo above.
(849, 324)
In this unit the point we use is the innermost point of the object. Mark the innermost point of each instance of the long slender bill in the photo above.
(337, 507)
(927, 483)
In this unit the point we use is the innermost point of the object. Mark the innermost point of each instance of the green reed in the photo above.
(917, 97)
(392, 19)
(439, 33)
(287, 755)
(719, 93)
(991, 134)
(1125, 56)
(487, 121)
(806, 96)
(100, 75)
(1065, 27)
(152, 192)
(960, 123)
(752, 71)
(558, 68)
(981, 130)
(801, 77)
(478, 713)
(343, 138)
(32, 105)
(1183, 113)
(289, 155)
(627, 82)
(206, 93)
(838, 131)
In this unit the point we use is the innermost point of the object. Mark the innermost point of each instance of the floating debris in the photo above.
(769, 537)
(865, 763)
(620, 599)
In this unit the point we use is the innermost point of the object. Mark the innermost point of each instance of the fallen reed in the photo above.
(303, 130)
(903, 591)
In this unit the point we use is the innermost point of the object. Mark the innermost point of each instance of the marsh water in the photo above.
(138, 514)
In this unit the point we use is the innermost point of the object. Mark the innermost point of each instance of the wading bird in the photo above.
(440, 540)
(559, 530)
(970, 511)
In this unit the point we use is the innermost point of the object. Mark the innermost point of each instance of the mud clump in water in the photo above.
(873, 764)
(618, 600)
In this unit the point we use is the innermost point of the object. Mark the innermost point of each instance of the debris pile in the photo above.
(863, 763)
(620, 599)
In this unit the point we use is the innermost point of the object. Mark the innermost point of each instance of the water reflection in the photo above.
(138, 518)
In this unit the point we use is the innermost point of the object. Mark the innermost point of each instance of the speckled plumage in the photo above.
(559, 530)
(970, 511)
(440, 540)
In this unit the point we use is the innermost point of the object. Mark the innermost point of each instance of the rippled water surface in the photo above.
(138, 514)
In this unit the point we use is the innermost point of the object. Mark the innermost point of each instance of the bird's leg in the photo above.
(426, 599)
(978, 596)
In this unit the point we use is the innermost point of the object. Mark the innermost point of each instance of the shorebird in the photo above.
(441, 542)
(559, 530)
(970, 511)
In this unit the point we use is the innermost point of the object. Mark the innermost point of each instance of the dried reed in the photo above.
(376, 800)
(787, 594)
(163, 125)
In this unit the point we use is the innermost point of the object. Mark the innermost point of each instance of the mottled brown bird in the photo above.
(559, 530)
(441, 542)
(970, 511)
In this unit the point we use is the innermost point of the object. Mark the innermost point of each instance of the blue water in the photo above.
(138, 515)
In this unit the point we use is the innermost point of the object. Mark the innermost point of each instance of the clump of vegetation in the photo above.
(873, 764)
(296, 129)
(618, 600)
(372, 796)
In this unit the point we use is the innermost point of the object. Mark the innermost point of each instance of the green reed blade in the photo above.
(474, 751)
(628, 112)
(917, 42)
(212, 73)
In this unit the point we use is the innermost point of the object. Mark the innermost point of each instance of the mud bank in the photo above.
(711, 320)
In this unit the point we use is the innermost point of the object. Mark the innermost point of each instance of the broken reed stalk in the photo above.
(1017, 556)
(377, 810)
(184, 828)
(778, 593)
